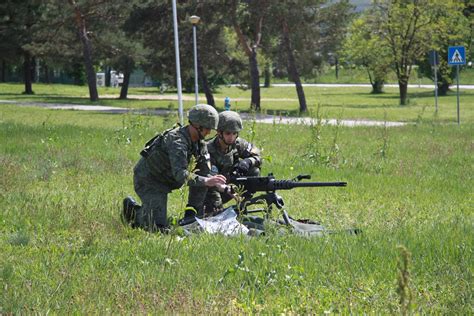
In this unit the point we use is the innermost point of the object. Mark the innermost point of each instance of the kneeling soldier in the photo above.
(230, 156)
(164, 167)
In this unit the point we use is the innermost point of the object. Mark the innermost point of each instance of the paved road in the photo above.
(260, 118)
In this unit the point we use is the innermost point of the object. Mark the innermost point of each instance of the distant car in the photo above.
(100, 78)
(120, 79)
(116, 79)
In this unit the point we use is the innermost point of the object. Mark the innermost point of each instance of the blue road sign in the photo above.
(456, 55)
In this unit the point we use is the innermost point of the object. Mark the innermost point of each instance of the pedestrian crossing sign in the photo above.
(456, 55)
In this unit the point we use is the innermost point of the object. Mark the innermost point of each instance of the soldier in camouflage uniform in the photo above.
(163, 167)
(230, 154)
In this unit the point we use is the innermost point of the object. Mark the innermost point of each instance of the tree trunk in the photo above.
(251, 52)
(336, 63)
(125, 84)
(403, 87)
(255, 80)
(27, 69)
(34, 74)
(443, 88)
(292, 70)
(87, 52)
(267, 76)
(3, 73)
(90, 73)
(205, 86)
(107, 76)
(377, 86)
(47, 79)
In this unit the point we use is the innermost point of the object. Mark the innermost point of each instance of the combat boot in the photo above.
(130, 207)
(189, 216)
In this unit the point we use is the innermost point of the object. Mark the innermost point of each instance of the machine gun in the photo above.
(251, 185)
(270, 184)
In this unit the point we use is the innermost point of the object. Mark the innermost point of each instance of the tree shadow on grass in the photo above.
(54, 99)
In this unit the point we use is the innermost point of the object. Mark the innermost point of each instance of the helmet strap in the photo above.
(199, 130)
(221, 137)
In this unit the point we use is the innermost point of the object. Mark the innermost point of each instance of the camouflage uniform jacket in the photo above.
(168, 156)
(222, 163)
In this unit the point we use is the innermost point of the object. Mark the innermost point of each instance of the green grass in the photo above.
(346, 103)
(347, 75)
(64, 250)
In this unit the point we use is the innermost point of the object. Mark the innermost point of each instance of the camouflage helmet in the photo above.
(203, 115)
(229, 121)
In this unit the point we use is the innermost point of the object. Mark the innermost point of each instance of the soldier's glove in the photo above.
(243, 166)
(226, 189)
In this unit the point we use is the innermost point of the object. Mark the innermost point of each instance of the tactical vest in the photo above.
(159, 162)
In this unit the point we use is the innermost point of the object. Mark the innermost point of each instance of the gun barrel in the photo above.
(287, 184)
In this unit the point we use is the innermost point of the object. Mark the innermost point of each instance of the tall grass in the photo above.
(64, 250)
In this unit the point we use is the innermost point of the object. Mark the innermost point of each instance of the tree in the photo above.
(334, 18)
(409, 28)
(292, 70)
(153, 22)
(468, 12)
(82, 32)
(213, 60)
(363, 47)
(18, 24)
(303, 30)
(457, 31)
(122, 49)
(97, 26)
(291, 26)
(247, 21)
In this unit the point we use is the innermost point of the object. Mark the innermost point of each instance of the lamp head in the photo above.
(194, 19)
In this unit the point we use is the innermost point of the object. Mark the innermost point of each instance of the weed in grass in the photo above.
(316, 151)
(46, 121)
(132, 125)
(7, 273)
(333, 157)
(184, 190)
(403, 281)
(419, 117)
(239, 193)
(435, 122)
(170, 118)
(19, 238)
(252, 130)
(383, 149)
(256, 273)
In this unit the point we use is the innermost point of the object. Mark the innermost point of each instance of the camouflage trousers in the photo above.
(154, 196)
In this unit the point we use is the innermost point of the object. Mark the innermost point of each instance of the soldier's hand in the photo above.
(243, 166)
(227, 189)
(216, 180)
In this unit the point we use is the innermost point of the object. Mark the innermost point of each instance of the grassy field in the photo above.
(342, 103)
(64, 250)
(347, 75)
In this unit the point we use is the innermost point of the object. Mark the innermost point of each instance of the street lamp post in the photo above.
(178, 68)
(194, 21)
